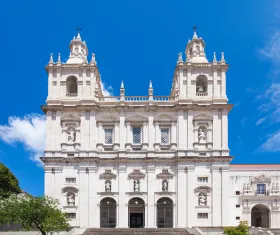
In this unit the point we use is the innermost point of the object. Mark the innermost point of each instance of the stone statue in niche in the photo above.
(202, 199)
(136, 185)
(108, 186)
(71, 135)
(71, 199)
(164, 186)
(201, 136)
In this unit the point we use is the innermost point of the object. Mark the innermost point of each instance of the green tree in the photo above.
(241, 229)
(8, 182)
(33, 213)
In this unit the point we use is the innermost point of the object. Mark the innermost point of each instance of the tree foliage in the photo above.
(33, 213)
(241, 229)
(8, 182)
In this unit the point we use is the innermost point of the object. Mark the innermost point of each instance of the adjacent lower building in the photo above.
(150, 161)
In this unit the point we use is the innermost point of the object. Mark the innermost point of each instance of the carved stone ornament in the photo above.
(276, 206)
(71, 135)
(201, 135)
(136, 175)
(107, 175)
(203, 189)
(164, 186)
(108, 186)
(70, 120)
(202, 199)
(107, 118)
(165, 174)
(261, 179)
(165, 118)
(246, 207)
(203, 117)
(136, 118)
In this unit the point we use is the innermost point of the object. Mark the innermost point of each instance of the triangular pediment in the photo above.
(136, 175)
(203, 116)
(107, 118)
(107, 175)
(165, 174)
(136, 118)
(70, 117)
(165, 117)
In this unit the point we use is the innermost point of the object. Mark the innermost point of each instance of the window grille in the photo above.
(109, 136)
(202, 215)
(261, 188)
(71, 215)
(136, 131)
(164, 135)
(202, 179)
(70, 180)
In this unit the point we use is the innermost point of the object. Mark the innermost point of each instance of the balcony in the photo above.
(201, 93)
(260, 194)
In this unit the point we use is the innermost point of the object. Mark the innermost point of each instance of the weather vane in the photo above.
(79, 29)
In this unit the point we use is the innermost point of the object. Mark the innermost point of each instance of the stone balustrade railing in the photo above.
(201, 93)
(136, 98)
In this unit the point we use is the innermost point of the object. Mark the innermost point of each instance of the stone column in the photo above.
(216, 196)
(50, 85)
(181, 202)
(151, 180)
(181, 126)
(151, 135)
(92, 198)
(48, 182)
(93, 131)
(226, 188)
(190, 93)
(83, 196)
(216, 131)
(223, 83)
(190, 132)
(224, 129)
(122, 217)
(145, 135)
(100, 133)
(49, 134)
(215, 85)
(173, 136)
(157, 137)
(122, 133)
(58, 131)
(190, 196)
(116, 136)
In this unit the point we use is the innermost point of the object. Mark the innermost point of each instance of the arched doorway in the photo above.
(260, 216)
(136, 213)
(108, 213)
(165, 213)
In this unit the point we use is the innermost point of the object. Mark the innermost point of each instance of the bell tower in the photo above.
(76, 79)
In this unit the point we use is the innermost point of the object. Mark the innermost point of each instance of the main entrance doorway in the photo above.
(108, 213)
(165, 213)
(136, 213)
(260, 216)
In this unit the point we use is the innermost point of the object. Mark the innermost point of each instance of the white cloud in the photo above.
(106, 90)
(272, 49)
(29, 131)
(272, 144)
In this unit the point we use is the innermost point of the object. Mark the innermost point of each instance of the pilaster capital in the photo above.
(127, 124)
(145, 124)
(190, 168)
(117, 124)
(49, 113)
(157, 124)
(173, 124)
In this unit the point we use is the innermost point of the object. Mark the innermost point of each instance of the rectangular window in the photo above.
(202, 179)
(202, 215)
(237, 192)
(261, 188)
(237, 218)
(237, 206)
(136, 132)
(164, 135)
(71, 215)
(108, 136)
(70, 180)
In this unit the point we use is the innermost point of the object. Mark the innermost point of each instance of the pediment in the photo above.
(107, 118)
(136, 118)
(70, 120)
(69, 189)
(165, 118)
(203, 117)
(203, 189)
(136, 175)
(261, 179)
(107, 175)
(165, 174)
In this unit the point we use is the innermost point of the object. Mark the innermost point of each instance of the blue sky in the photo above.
(137, 41)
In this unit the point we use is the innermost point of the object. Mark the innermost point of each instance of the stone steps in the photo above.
(136, 231)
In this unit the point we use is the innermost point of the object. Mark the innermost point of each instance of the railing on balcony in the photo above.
(201, 93)
(136, 98)
(71, 94)
(257, 193)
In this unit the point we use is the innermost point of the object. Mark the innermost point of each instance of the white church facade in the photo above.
(155, 161)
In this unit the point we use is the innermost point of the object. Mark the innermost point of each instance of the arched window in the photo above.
(165, 213)
(201, 85)
(108, 213)
(71, 86)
